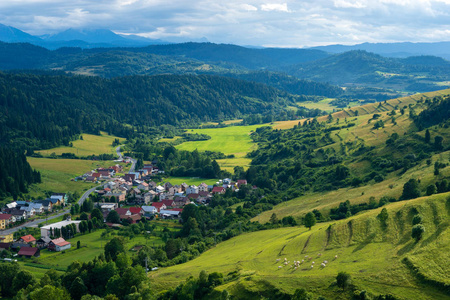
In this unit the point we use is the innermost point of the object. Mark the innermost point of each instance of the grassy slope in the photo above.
(91, 144)
(57, 174)
(370, 254)
(229, 140)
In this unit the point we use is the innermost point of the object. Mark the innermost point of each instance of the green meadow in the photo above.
(370, 253)
(233, 140)
(189, 180)
(89, 145)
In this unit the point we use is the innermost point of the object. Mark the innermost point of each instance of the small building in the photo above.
(149, 211)
(170, 213)
(218, 190)
(45, 230)
(27, 239)
(43, 242)
(5, 246)
(7, 238)
(59, 244)
(29, 252)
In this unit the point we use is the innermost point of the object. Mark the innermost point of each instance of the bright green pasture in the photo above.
(228, 140)
(189, 180)
(90, 144)
(372, 255)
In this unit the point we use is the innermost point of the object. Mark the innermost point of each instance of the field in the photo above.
(189, 180)
(90, 144)
(56, 174)
(371, 254)
(324, 104)
(228, 140)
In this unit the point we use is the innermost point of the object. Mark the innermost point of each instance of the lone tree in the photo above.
(343, 280)
(411, 189)
(273, 218)
(310, 220)
(383, 217)
(417, 232)
(113, 217)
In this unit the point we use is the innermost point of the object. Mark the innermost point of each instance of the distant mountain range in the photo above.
(82, 38)
(400, 50)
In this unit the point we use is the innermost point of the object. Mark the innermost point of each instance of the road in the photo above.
(133, 161)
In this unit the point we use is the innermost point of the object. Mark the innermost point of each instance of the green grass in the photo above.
(228, 140)
(56, 174)
(370, 254)
(324, 105)
(189, 180)
(91, 144)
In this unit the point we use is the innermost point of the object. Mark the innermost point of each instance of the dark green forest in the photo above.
(44, 111)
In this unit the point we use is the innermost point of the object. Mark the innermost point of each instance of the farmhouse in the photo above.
(29, 252)
(58, 244)
(43, 242)
(27, 239)
(45, 230)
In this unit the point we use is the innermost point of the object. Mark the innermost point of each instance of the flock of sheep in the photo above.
(297, 263)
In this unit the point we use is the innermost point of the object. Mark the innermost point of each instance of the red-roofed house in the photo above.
(58, 244)
(159, 205)
(134, 219)
(29, 252)
(218, 190)
(136, 210)
(168, 203)
(241, 182)
(123, 211)
(27, 239)
(96, 175)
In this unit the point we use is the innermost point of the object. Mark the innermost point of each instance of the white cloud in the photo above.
(275, 7)
(248, 7)
(348, 4)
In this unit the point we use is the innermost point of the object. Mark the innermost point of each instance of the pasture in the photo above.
(372, 255)
(89, 145)
(233, 140)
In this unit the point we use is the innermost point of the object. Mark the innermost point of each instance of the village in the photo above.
(122, 200)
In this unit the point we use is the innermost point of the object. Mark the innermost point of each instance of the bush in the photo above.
(417, 232)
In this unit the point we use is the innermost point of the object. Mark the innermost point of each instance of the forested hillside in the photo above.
(43, 111)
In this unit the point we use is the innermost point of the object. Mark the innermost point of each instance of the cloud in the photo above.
(275, 7)
(253, 22)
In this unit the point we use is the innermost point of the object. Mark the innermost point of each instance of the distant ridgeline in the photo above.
(44, 111)
(15, 173)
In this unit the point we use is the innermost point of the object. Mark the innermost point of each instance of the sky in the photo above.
(259, 23)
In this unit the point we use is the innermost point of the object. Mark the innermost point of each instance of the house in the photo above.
(5, 220)
(136, 210)
(5, 246)
(55, 201)
(64, 199)
(170, 213)
(19, 214)
(241, 182)
(129, 177)
(58, 244)
(167, 186)
(143, 186)
(119, 196)
(165, 196)
(193, 197)
(29, 210)
(149, 211)
(38, 208)
(59, 198)
(91, 179)
(11, 205)
(18, 245)
(46, 230)
(7, 238)
(159, 205)
(108, 206)
(203, 187)
(27, 239)
(46, 204)
(133, 219)
(218, 190)
(123, 211)
(29, 252)
(181, 201)
(192, 190)
(168, 203)
(96, 175)
(43, 242)
(159, 189)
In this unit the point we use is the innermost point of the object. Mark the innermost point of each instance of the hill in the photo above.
(375, 256)
(369, 69)
(45, 111)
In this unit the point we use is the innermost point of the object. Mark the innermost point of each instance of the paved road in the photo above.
(133, 161)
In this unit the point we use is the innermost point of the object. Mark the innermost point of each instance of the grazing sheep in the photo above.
(325, 261)
(285, 259)
(313, 262)
(277, 260)
(310, 258)
(279, 267)
(335, 256)
(319, 255)
(295, 268)
(303, 260)
(323, 265)
(312, 266)
(285, 263)
(306, 256)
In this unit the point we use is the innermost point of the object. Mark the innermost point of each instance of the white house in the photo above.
(45, 230)
(192, 190)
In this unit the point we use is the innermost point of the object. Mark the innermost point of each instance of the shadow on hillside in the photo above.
(441, 228)
(364, 243)
(408, 247)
